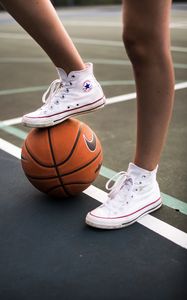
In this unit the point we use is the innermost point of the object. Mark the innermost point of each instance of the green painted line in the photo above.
(174, 203)
(14, 131)
(167, 200)
(105, 172)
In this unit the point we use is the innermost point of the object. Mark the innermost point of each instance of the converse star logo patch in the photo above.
(87, 86)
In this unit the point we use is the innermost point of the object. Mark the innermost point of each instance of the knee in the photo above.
(143, 46)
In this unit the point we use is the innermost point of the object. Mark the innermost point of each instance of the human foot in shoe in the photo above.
(73, 94)
(134, 194)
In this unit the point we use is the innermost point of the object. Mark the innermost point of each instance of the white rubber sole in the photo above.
(97, 223)
(52, 121)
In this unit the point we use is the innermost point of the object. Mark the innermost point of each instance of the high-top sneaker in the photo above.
(73, 94)
(134, 194)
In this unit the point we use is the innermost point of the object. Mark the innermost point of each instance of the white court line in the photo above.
(173, 25)
(181, 85)
(132, 96)
(167, 231)
(178, 25)
(10, 122)
(121, 98)
(92, 24)
(10, 148)
(96, 42)
(178, 49)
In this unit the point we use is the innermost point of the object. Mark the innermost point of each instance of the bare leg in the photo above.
(147, 41)
(39, 19)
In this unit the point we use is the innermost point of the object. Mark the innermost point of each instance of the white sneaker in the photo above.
(134, 194)
(70, 95)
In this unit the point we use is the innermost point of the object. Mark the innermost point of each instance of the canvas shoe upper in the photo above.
(76, 93)
(133, 194)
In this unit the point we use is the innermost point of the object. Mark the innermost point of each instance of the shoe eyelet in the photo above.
(143, 176)
(132, 196)
(63, 96)
(68, 107)
(136, 190)
(71, 83)
(67, 90)
(72, 76)
(77, 104)
(127, 202)
(51, 107)
(140, 182)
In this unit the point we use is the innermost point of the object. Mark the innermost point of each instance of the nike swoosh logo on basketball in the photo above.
(91, 144)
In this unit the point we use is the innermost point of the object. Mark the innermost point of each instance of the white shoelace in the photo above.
(123, 184)
(123, 190)
(56, 89)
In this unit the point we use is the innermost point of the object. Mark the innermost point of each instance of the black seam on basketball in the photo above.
(73, 148)
(56, 167)
(66, 174)
(61, 163)
(36, 160)
(61, 175)
(23, 158)
(54, 188)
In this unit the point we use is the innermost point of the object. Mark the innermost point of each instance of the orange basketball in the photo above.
(63, 160)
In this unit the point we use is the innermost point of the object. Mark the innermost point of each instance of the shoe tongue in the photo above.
(135, 171)
(84, 72)
(62, 74)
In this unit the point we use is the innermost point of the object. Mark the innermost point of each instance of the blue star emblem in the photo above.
(87, 86)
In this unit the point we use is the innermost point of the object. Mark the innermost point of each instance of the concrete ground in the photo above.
(26, 72)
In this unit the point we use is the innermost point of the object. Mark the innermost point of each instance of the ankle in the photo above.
(68, 69)
(148, 166)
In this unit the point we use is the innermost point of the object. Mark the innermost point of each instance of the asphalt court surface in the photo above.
(25, 74)
(47, 252)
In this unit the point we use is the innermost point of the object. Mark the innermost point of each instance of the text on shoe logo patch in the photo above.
(91, 144)
(87, 86)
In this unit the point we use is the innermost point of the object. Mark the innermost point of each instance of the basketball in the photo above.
(63, 160)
